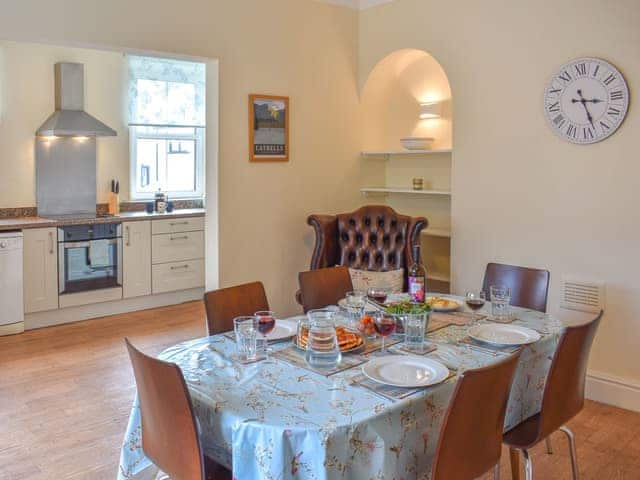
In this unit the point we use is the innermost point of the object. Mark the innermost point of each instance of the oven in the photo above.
(89, 257)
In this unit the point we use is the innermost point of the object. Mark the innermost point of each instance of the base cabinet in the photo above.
(136, 259)
(40, 269)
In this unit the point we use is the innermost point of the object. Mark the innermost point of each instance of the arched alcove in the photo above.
(391, 101)
(391, 98)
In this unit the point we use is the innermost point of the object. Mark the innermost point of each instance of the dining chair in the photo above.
(170, 437)
(529, 286)
(325, 286)
(225, 304)
(470, 440)
(563, 396)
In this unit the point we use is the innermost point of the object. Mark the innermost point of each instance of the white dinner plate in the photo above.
(502, 334)
(283, 329)
(405, 371)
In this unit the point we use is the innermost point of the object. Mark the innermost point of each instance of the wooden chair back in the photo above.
(324, 286)
(471, 435)
(225, 304)
(529, 286)
(169, 432)
(563, 395)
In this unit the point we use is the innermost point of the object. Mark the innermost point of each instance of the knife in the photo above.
(117, 187)
(113, 186)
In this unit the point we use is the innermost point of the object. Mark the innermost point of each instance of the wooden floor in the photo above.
(65, 395)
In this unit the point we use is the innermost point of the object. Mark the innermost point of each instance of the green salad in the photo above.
(404, 308)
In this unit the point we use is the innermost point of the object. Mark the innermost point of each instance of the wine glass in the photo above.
(266, 322)
(378, 294)
(384, 326)
(475, 301)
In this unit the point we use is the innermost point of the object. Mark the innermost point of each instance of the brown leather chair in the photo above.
(225, 304)
(529, 286)
(471, 435)
(374, 237)
(170, 435)
(323, 287)
(563, 396)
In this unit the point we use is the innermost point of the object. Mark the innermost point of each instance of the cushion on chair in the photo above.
(364, 279)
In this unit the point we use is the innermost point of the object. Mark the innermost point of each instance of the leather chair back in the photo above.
(225, 304)
(323, 287)
(374, 238)
(529, 286)
(563, 395)
(169, 433)
(471, 435)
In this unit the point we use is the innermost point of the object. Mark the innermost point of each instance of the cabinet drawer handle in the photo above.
(179, 267)
(173, 224)
(51, 243)
(127, 231)
(185, 237)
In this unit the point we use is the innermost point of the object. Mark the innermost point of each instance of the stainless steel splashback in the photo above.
(65, 175)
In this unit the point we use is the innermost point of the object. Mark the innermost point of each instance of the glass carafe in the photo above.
(322, 345)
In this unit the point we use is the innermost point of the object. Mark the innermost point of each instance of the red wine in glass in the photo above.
(475, 303)
(378, 297)
(266, 325)
(385, 326)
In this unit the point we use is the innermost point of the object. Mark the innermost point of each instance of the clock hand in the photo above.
(583, 102)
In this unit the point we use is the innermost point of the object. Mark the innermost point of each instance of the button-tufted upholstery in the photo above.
(374, 237)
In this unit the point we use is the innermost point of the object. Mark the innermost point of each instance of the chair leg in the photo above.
(528, 465)
(496, 471)
(572, 449)
(547, 441)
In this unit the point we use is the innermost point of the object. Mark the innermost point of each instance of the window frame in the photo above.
(199, 139)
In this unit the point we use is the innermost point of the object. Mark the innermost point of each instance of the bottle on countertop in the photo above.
(417, 278)
(160, 201)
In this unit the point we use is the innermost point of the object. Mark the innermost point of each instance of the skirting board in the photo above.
(612, 390)
(104, 309)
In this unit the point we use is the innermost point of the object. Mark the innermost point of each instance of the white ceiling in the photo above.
(356, 4)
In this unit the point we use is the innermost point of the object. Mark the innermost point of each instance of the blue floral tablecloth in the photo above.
(278, 422)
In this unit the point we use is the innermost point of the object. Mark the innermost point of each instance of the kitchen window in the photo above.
(166, 127)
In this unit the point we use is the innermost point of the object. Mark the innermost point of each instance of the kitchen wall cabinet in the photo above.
(40, 267)
(136, 253)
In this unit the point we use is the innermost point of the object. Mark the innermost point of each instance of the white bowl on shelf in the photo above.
(416, 143)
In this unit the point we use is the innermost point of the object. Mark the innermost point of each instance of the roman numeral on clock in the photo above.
(617, 95)
(572, 131)
(595, 71)
(559, 120)
(555, 90)
(604, 126)
(610, 78)
(555, 107)
(581, 68)
(565, 76)
(587, 133)
(613, 111)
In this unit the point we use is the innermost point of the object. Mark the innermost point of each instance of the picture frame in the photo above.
(268, 128)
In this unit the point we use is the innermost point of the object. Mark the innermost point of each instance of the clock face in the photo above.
(586, 100)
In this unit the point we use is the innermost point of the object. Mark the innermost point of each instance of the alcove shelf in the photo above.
(387, 154)
(407, 191)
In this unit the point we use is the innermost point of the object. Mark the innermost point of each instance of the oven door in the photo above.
(89, 265)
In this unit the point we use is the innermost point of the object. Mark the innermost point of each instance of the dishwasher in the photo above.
(11, 303)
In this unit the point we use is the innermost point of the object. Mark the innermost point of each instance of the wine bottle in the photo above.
(417, 278)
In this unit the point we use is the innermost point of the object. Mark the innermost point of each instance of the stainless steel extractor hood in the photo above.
(70, 119)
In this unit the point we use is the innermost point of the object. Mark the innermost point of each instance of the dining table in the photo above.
(280, 420)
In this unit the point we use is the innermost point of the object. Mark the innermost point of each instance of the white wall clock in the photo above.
(586, 100)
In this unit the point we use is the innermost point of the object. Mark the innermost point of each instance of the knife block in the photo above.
(114, 204)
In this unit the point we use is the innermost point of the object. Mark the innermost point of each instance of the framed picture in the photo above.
(268, 128)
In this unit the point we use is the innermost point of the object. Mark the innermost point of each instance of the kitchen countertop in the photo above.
(22, 223)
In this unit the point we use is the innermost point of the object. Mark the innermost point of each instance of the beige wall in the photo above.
(520, 194)
(300, 48)
(27, 99)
